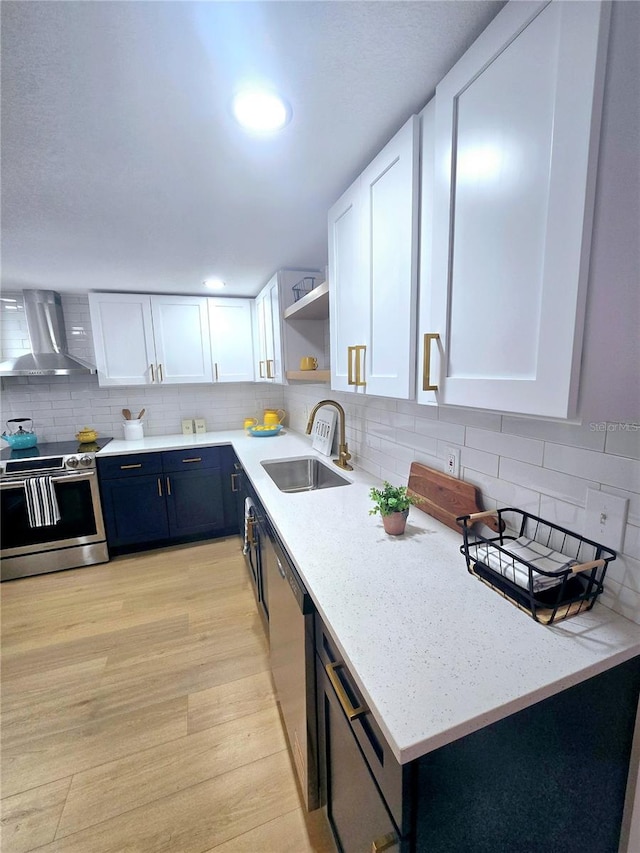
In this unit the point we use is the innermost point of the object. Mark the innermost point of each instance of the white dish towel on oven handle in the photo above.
(41, 501)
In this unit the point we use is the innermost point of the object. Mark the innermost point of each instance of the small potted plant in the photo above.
(392, 502)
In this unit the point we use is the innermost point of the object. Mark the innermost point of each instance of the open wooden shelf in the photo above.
(313, 306)
(309, 375)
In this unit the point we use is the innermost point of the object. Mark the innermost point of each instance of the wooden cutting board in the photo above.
(445, 497)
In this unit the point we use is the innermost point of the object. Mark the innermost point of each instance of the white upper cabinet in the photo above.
(373, 273)
(268, 335)
(145, 340)
(231, 339)
(512, 179)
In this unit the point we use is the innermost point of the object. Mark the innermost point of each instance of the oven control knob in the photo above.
(85, 461)
(72, 462)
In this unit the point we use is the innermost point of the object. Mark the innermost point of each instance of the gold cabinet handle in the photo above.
(127, 467)
(270, 374)
(387, 841)
(250, 536)
(193, 459)
(159, 487)
(351, 711)
(160, 374)
(168, 486)
(262, 376)
(360, 351)
(349, 365)
(153, 376)
(426, 363)
(234, 483)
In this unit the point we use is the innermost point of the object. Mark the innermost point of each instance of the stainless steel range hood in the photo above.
(48, 339)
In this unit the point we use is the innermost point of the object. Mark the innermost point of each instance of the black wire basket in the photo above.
(540, 567)
(303, 287)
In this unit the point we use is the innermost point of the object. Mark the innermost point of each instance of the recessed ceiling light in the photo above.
(214, 283)
(260, 110)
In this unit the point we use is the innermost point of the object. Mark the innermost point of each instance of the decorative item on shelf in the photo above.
(273, 417)
(304, 286)
(308, 362)
(20, 435)
(392, 502)
(87, 435)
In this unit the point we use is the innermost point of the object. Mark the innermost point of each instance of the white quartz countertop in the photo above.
(435, 653)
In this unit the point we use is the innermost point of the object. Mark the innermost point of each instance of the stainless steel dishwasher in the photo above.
(291, 642)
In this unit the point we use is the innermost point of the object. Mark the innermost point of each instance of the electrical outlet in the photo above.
(452, 460)
(187, 426)
(200, 425)
(605, 518)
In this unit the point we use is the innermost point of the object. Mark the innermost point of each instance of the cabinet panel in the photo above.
(231, 340)
(191, 459)
(123, 338)
(134, 510)
(194, 501)
(517, 126)
(181, 331)
(347, 305)
(373, 273)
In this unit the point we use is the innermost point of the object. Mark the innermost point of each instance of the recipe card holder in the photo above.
(542, 568)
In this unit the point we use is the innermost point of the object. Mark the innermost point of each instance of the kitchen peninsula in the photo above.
(435, 655)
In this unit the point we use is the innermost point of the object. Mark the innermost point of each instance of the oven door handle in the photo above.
(65, 478)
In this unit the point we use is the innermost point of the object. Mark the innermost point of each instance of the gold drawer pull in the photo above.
(350, 366)
(360, 350)
(127, 467)
(160, 374)
(262, 376)
(270, 373)
(426, 363)
(341, 693)
(384, 843)
(194, 459)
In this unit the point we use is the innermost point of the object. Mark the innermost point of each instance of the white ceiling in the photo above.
(123, 170)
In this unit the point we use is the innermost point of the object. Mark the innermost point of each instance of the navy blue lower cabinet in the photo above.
(134, 510)
(551, 777)
(154, 499)
(195, 501)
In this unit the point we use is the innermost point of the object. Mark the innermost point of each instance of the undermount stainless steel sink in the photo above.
(303, 475)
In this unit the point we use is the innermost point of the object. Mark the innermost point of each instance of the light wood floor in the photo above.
(138, 712)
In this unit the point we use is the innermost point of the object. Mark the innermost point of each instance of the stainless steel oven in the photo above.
(78, 538)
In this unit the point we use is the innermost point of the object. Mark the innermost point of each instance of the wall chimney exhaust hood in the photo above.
(49, 351)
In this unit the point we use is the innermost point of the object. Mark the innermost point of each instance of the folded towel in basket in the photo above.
(41, 501)
(520, 552)
(248, 506)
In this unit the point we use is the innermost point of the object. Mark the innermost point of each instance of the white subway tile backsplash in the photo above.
(423, 443)
(623, 440)
(441, 430)
(631, 542)
(574, 435)
(479, 460)
(503, 493)
(547, 482)
(470, 417)
(625, 571)
(515, 447)
(602, 467)
(565, 514)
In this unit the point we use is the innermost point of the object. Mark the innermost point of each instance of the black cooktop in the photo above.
(54, 448)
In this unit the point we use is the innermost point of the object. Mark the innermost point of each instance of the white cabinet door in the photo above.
(389, 189)
(517, 126)
(123, 338)
(269, 333)
(181, 332)
(348, 308)
(231, 339)
(373, 273)
(428, 351)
